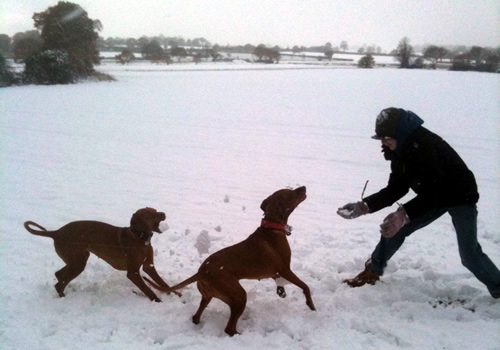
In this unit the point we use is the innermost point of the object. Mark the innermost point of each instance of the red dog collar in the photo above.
(276, 226)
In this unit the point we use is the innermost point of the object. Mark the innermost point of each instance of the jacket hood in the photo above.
(408, 123)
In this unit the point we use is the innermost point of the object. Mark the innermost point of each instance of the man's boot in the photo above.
(367, 276)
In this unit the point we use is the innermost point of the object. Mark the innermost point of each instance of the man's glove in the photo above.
(353, 210)
(394, 222)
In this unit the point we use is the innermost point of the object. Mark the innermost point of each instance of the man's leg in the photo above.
(464, 220)
(387, 247)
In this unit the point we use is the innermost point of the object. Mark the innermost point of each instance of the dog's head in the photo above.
(147, 220)
(278, 206)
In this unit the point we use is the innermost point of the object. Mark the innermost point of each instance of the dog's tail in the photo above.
(183, 284)
(43, 231)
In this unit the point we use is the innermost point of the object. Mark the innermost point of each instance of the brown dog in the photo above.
(264, 254)
(125, 249)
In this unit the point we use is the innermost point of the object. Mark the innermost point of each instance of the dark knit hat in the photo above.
(386, 125)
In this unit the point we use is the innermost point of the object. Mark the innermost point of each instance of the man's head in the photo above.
(386, 127)
(393, 126)
(386, 124)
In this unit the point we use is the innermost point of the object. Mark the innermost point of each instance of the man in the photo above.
(424, 162)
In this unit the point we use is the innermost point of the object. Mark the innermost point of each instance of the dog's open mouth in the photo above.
(156, 228)
(160, 225)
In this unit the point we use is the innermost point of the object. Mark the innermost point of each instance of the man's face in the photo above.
(390, 143)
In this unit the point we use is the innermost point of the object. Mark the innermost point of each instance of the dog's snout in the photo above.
(301, 190)
(301, 193)
(162, 215)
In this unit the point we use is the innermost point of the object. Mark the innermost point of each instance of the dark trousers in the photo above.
(464, 220)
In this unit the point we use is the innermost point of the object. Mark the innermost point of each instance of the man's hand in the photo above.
(394, 222)
(353, 210)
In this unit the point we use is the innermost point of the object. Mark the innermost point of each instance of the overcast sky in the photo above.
(284, 22)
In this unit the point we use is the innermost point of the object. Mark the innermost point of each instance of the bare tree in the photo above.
(435, 53)
(431, 53)
(442, 53)
(404, 52)
(476, 53)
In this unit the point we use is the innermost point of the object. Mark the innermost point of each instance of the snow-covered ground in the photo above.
(207, 146)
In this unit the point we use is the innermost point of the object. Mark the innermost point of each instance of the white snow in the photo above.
(206, 145)
(383, 116)
(345, 212)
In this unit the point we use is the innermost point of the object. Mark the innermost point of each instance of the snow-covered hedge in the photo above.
(48, 67)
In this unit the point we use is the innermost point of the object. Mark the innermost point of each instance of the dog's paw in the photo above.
(178, 294)
(280, 290)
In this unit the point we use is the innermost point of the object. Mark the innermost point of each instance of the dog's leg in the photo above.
(203, 304)
(61, 283)
(149, 268)
(75, 264)
(292, 278)
(236, 298)
(136, 279)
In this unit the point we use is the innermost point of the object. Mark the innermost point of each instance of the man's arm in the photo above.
(396, 188)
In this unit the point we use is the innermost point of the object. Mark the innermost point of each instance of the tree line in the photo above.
(65, 45)
(475, 59)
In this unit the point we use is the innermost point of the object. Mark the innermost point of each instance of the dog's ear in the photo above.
(135, 221)
(138, 223)
(275, 208)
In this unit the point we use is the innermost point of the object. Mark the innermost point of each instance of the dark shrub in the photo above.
(366, 62)
(418, 63)
(7, 77)
(461, 66)
(48, 67)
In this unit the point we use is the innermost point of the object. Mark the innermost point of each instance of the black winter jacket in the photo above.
(432, 169)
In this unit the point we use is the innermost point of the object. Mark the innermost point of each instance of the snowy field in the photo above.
(206, 146)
